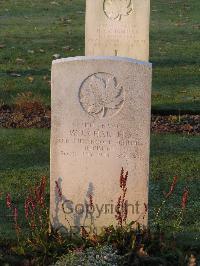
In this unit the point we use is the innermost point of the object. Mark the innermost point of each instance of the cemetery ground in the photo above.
(25, 159)
(35, 32)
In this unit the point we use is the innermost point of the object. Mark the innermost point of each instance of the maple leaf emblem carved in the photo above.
(115, 9)
(100, 95)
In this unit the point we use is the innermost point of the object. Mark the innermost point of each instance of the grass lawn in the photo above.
(32, 31)
(24, 160)
(24, 157)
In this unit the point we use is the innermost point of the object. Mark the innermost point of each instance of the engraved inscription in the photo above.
(101, 95)
(118, 33)
(117, 38)
(115, 9)
(87, 140)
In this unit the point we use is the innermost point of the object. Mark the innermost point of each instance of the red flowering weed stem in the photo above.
(184, 198)
(172, 187)
(122, 203)
(8, 201)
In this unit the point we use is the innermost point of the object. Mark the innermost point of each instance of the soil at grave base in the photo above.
(27, 115)
(36, 115)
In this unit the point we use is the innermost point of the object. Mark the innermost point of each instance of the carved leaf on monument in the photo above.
(114, 10)
(101, 95)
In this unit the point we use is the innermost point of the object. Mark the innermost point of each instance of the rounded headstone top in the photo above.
(98, 58)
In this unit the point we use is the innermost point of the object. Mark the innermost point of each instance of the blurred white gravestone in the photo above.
(117, 28)
(100, 123)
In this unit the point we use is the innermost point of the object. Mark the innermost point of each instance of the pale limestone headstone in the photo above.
(100, 123)
(117, 28)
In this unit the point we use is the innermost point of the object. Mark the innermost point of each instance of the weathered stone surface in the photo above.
(117, 27)
(100, 123)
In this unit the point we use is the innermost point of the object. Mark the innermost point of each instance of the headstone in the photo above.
(100, 123)
(117, 28)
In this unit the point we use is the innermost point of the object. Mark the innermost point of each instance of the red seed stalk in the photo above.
(125, 211)
(118, 215)
(172, 187)
(122, 203)
(40, 192)
(15, 215)
(8, 201)
(35, 204)
(184, 198)
(145, 207)
(145, 210)
(183, 206)
(29, 207)
(166, 196)
(121, 177)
